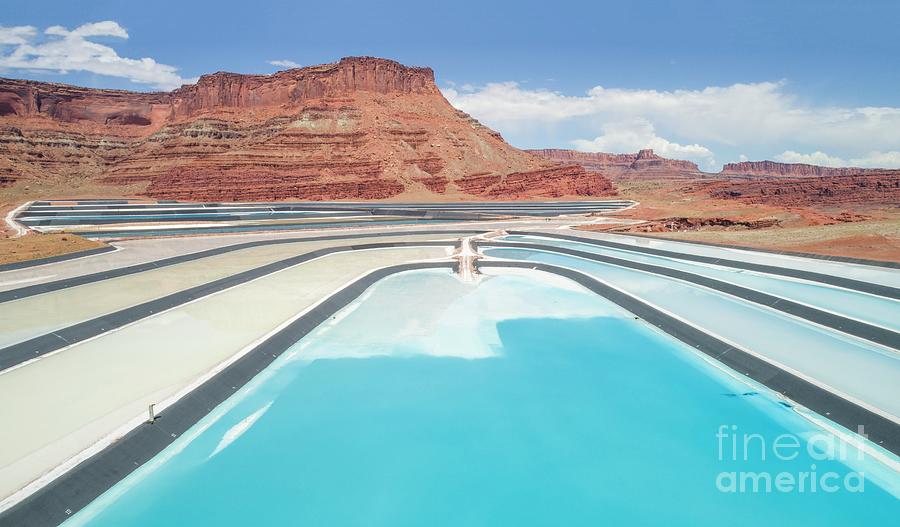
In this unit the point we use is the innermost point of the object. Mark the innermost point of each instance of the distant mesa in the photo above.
(647, 162)
(360, 128)
(621, 164)
(773, 168)
(757, 182)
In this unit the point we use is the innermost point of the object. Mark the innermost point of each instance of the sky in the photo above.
(710, 81)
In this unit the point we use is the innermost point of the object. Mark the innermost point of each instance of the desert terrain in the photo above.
(768, 205)
(373, 129)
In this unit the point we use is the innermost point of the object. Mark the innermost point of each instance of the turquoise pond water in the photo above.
(871, 309)
(524, 400)
(857, 368)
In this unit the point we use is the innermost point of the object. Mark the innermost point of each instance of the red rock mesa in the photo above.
(644, 162)
(362, 128)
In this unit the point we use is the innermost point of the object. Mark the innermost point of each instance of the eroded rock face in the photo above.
(362, 128)
(291, 87)
(644, 161)
(681, 223)
(71, 104)
(218, 91)
(546, 183)
(772, 168)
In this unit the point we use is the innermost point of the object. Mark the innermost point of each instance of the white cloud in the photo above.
(634, 135)
(507, 102)
(759, 116)
(63, 50)
(107, 28)
(284, 63)
(815, 158)
(743, 158)
(16, 35)
(871, 159)
(878, 159)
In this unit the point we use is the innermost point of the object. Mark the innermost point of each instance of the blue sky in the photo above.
(712, 81)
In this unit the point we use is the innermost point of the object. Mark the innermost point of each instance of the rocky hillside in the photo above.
(812, 191)
(362, 128)
(644, 161)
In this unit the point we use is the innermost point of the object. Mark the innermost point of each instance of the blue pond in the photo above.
(523, 400)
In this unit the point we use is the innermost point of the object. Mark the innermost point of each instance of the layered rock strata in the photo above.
(773, 168)
(361, 128)
(644, 161)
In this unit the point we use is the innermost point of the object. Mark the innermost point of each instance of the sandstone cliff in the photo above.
(644, 161)
(772, 168)
(361, 128)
